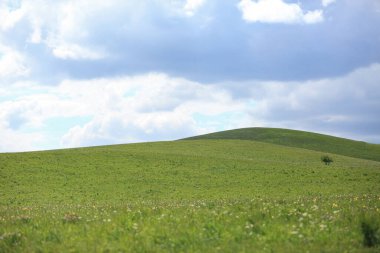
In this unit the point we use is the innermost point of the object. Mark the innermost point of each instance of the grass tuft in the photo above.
(71, 218)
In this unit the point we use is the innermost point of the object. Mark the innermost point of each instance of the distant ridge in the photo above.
(300, 139)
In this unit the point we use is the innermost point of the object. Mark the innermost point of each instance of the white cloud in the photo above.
(326, 3)
(191, 6)
(130, 127)
(141, 108)
(312, 17)
(156, 106)
(75, 52)
(32, 110)
(66, 27)
(126, 109)
(12, 63)
(60, 25)
(277, 11)
(9, 17)
(12, 141)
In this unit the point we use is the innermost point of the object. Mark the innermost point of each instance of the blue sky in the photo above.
(80, 73)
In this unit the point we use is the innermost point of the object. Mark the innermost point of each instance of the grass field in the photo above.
(188, 196)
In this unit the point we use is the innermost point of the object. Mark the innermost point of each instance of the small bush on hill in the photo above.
(326, 159)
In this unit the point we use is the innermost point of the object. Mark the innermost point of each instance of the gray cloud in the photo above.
(212, 46)
(348, 106)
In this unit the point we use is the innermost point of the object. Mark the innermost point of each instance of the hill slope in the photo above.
(300, 139)
(202, 169)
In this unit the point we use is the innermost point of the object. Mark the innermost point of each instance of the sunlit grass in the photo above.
(193, 196)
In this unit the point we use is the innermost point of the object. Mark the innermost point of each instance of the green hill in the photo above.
(202, 169)
(300, 139)
(188, 196)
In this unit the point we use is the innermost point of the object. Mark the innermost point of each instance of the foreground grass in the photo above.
(331, 224)
(197, 196)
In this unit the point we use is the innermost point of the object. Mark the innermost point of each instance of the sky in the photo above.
(92, 72)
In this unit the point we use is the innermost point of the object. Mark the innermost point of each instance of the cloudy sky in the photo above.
(92, 72)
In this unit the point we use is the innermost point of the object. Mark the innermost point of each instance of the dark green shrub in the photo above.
(371, 232)
(326, 159)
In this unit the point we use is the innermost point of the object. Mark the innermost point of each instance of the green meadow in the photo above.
(200, 195)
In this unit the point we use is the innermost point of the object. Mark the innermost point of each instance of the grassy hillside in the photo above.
(186, 196)
(300, 139)
(179, 171)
